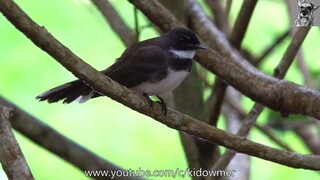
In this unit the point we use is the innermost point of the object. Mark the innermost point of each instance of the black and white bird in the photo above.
(152, 68)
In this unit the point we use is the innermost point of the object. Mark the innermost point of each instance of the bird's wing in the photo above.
(139, 65)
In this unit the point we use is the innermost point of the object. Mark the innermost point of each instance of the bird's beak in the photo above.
(201, 46)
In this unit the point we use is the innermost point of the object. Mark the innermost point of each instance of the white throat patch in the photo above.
(183, 54)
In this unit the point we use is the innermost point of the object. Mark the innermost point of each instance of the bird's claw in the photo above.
(162, 102)
(163, 105)
(150, 102)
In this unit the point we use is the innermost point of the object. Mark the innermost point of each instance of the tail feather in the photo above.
(75, 90)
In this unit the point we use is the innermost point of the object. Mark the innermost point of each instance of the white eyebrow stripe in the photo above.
(188, 37)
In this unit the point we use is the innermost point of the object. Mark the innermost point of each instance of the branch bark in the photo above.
(11, 157)
(54, 142)
(236, 38)
(217, 10)
(265, 130)
(190, 87)
(280, 71)
(112, 17)
(269, 49)
(241, 25)
(279, 95)
(43, 39)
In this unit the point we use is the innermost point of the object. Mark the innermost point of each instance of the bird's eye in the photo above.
(182, 39)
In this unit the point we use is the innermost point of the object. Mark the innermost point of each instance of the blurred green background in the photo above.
(107, 128)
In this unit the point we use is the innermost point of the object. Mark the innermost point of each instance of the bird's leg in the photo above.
(162, 102)
(163, 105)
(150, 102)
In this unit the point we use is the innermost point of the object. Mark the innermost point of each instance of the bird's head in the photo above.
(183, 39)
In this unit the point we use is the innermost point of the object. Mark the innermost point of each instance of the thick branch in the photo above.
(40, 37)
(280, 72)
(11, 157)
(54, 142)
(236, 38)
(277, 94)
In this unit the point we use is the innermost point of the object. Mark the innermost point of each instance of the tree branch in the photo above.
(241, 25)
(219, 88)
(217, 11)
(226, 26)
(269, 49)
(304, 130)
(279, 95)
(54, 142)
(43, 39)
(190, 87)
(111, 16)
(11, 157)
(280, 71)
(240, 162)
(288, 57)
(266, 130)
(238, 32)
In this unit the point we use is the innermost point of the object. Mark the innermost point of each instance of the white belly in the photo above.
(164, 86)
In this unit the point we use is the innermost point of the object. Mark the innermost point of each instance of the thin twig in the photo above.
(240, 162)
(191, 150)
(225, 159)
(203, 76)
(222, 163)
(304, 69)
(305, 131)
(226, 26)
(288, 57)
(268, 132)
(215, 101)
(217, 11)
(242, 22)
(219, 88)
(11, 157)
(111, 16)
(310, 138)
(269, 49)
(136, 23)
(279, 72)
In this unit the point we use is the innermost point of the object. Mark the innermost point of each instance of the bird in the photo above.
(152, 67)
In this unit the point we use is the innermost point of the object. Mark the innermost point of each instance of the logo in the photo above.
(306, 13)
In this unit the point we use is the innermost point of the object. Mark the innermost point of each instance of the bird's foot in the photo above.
(163, 105)
(162, 102)
(150, 102)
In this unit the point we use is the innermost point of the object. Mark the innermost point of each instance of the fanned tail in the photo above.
(75, 90)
